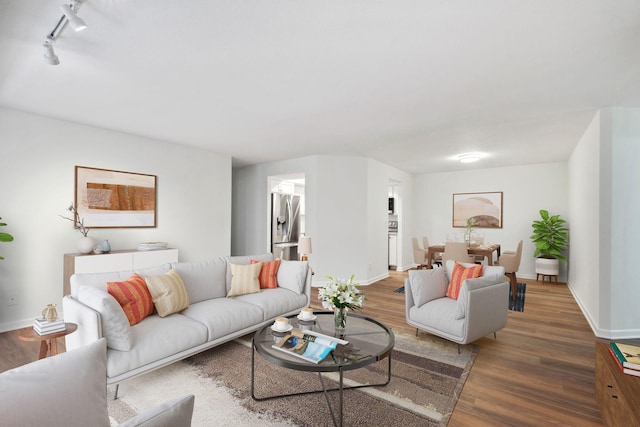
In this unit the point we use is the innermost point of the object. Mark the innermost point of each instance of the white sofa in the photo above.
(481, 307)
(210, 319)
(68, 390)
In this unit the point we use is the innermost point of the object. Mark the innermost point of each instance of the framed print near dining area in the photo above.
(484, 208)
(113, 199)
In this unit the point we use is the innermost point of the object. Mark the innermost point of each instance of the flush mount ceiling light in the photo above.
(469, 157)
(69, 15)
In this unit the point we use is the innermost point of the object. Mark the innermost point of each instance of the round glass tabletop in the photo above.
(368, 342)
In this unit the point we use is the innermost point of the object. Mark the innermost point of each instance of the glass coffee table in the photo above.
(369, 341)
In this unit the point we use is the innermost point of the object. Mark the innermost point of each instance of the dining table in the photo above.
(482, 250)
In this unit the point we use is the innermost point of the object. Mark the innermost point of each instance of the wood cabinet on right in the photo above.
(617, 393)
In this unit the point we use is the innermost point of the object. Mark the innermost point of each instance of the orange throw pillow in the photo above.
(268, 274)
(134, 298)
(459, 275)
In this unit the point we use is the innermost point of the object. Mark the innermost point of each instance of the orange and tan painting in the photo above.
(485, 209)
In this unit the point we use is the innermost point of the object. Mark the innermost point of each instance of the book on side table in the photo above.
(626, 356)
(308, 345)
(43, 327)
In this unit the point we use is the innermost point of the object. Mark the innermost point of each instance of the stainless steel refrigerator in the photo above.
(285, 225)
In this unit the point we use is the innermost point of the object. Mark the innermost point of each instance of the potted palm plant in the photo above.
(551, 237)
(4, 237)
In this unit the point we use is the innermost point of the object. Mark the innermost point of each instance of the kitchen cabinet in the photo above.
(123, 260)
(393, 250)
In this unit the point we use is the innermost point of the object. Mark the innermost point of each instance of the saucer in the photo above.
(310, 319)
(287, 329)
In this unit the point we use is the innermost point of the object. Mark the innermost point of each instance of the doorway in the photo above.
(286, 215)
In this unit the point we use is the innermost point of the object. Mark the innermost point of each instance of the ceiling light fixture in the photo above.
(469, 157)
(50, 56)
(69, 15)
(76, 23)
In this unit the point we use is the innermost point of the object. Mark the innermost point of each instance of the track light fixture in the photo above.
(50, 56)
(76, 23)
(69, 15)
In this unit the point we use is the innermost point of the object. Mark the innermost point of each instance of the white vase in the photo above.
(86, 245)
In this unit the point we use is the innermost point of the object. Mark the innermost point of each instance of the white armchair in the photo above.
(70, 390)
(481, 307)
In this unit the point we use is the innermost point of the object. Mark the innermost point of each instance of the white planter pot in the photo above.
(86, 245)
(547, 266)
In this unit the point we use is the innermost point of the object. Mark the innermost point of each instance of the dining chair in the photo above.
(437, 257)
(419, 254)
(510, 260)
(457, 251)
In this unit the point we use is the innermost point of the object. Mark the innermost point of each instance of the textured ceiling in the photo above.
(409, 83)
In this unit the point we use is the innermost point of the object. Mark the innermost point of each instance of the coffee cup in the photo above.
(282, 323)
(306, 313)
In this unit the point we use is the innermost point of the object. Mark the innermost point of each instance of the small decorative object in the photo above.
(85, 244)
(97, 250)
(106, 247)
(468, 230)
(50, 312)
(341, 295)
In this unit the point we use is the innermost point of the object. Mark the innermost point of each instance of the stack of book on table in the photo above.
(627, 357)
(43, 327)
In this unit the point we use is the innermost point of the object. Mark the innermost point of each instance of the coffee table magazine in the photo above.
(309, 345)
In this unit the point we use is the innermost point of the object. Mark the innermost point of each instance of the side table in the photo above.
(48, 342)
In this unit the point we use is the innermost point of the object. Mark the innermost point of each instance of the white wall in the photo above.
(585, 196)
(625, 223)
(605, 207)
(526, 189)
(347, 228)
(37, 179)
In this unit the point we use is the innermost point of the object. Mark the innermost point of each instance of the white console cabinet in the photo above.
(114, 261)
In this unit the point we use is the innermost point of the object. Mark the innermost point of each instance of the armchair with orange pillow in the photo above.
(463, 303)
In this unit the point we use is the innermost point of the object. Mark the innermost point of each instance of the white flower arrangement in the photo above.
(340, 293)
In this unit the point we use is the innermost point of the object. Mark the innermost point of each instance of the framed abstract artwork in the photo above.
(484, 208)
(113, 199)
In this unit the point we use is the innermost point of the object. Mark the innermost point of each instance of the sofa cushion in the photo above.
(292, 275)
(224, 316)
(458, 275)
(471, 285)
(115, 325)
(175, 413)
(244, 279)
(156, 338)
(268, 274)
(42, 392)
(427, 285)
(203, 279)
(439, 315)
(133, 296)
(243, 260)
(275, 302)
(168, 293)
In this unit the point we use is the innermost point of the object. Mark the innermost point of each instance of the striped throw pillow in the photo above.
(168, 292)
(268, 274)
(134, 298)
(244, 279)
(459, 275)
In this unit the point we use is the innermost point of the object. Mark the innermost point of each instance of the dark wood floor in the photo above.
(539, 371)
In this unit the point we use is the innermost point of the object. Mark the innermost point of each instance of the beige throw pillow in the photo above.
(168, 293)
(244, 279)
